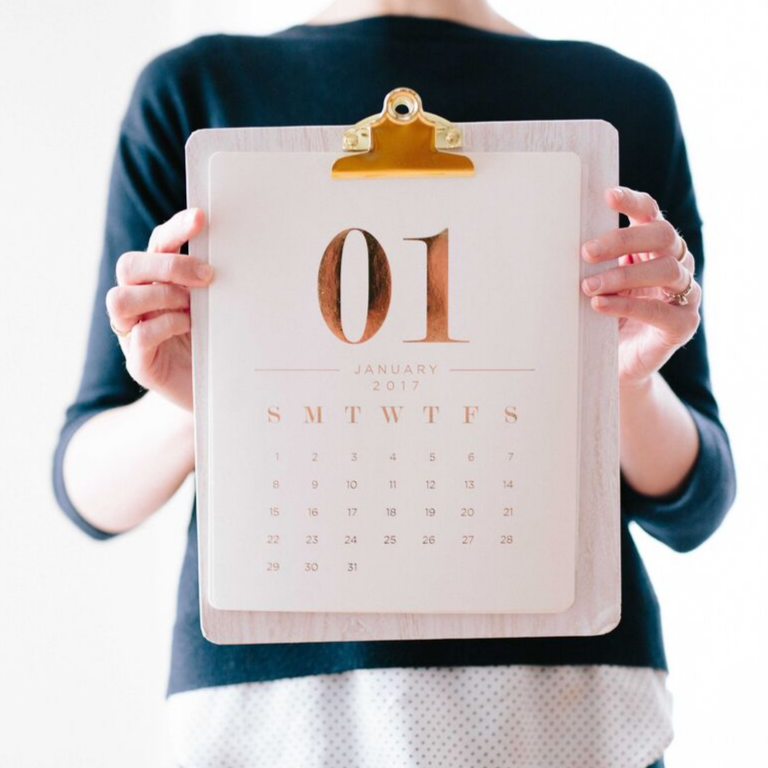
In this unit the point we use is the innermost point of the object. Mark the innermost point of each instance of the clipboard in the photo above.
(401, 172)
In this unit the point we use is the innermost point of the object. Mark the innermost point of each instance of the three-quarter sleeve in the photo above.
(146, 187)
(686, 518)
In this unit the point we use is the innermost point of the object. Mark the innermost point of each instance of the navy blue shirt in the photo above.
(310, 75)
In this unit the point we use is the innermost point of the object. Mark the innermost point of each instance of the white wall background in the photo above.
(85, 626)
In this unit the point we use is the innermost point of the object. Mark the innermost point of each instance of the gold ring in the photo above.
(685, 249)
(121, 334)
(680, 299)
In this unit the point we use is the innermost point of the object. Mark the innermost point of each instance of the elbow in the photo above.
(687, 519)
(60, 491)
(715, 507)
(688, 542)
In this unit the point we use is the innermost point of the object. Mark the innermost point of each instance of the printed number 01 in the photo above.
(380, 287)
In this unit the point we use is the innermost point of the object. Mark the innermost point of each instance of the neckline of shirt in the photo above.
(401, 24)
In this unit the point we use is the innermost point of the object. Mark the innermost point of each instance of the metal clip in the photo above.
(402, 140)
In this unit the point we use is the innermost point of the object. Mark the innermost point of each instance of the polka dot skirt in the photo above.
(431, 717)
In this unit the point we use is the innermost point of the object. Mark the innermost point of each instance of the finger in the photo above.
(689, 263)
(148, 335)
(172, 234)
(677, 321)
(122, 329)
(655, 236)
(127, 303)
(136, 267)
(664, 272)
(639, 207)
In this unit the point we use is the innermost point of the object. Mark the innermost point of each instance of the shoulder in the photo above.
(173, 65)
(595, 80)
(206, 56)
(158, 95)
(174, 91)
(639, 101)
(604, 68)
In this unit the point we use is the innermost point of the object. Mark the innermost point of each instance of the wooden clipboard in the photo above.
(404, 142)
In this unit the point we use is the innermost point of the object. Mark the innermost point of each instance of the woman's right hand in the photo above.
(151, 300)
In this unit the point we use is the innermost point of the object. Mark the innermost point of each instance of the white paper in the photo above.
(513, 300)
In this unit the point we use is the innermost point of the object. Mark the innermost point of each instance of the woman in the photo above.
(564, 701)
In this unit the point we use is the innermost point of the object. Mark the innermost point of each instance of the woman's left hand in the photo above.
(651, 328)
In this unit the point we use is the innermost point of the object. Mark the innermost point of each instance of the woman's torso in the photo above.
(336, 75)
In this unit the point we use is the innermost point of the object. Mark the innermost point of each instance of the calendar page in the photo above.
(393, 386)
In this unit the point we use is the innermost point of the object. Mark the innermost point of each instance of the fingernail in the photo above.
(203, 271)
(592, 284)
(592, 248)
(618, 192)
(191, 214)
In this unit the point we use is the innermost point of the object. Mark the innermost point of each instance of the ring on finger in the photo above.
(121, 334)
(681, 298)
(685, 254)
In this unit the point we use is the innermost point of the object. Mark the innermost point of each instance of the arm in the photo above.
(677, 471)
(658, 436)
(689, 514)
(688, 505)
(124, 463)
(123, 449)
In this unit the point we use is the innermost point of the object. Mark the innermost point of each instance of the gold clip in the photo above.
(402, 140)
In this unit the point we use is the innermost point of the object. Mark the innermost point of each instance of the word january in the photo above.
(395, 369)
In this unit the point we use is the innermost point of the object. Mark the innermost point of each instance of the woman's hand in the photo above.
(650, 327)
(151, 303)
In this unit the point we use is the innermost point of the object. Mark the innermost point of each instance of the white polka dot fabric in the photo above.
(431, 717)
